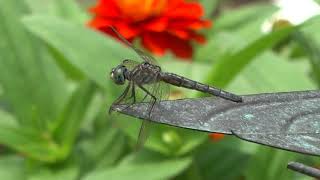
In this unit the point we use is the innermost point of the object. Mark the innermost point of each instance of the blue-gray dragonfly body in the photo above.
(149, 74)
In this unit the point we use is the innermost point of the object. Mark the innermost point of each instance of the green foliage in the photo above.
(55, 92)
(308, 42)
(11, 167)
(243, 18)
(159, 170)
(222, 73)
(209, 7)
(267, 164)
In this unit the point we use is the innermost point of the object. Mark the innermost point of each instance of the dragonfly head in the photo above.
(118, 74)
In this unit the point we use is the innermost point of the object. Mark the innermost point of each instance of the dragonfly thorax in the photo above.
(118, 74)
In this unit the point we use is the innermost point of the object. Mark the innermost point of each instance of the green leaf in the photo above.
(269, 164)
(220, 45)
(227, 68)
(8, 119)
(214, 159)
(157, 170)
(103, 149)
(141, 157)
(310, 47)
(67, 127)
(240, 17)
(33, 85)
(65, 9)
(209, 7)
(114, 151)
(12, 168)
(90, 52)
(273, 73)
(309, 41)
(71, 72)
(29, 143)
(50, 174)
(310, 27)
(253, 78)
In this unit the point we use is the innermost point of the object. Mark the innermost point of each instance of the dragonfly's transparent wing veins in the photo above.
(126, 98)
(130, 64)
(161, 91)
(143, 133)
(142, 54)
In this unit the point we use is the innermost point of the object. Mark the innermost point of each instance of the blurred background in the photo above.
(55, 90)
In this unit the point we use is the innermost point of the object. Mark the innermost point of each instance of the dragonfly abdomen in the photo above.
(180, 81)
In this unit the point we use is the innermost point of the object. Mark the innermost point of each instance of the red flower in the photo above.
(161, 24)
(216, 136)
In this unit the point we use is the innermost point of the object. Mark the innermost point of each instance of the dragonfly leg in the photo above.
(152, 96)
(144, 97)
(133, 93)
(121, 97)
(152, 105)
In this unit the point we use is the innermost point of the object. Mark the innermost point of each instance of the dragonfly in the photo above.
(148, 76)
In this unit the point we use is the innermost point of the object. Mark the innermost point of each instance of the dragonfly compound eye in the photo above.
(117, 75)
(112, 74)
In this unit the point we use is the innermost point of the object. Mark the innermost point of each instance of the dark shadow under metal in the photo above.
(289, 121)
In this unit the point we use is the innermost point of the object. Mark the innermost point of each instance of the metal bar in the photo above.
(304, 169)
(289, 121)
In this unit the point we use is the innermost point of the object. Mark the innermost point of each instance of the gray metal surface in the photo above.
(304, 169)
(288, 121)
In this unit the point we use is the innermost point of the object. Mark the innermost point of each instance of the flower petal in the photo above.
(156, 24)
(140, 10)
(162, 24)
(99, 22)
(127, 30)
(172, 4)
(216, 136)
(158, 43)
(181, 48)
(181, 33)
(154, 43)
(199, 38)
(106, 8)
(185, 10)
(194, 24)
(187, 35)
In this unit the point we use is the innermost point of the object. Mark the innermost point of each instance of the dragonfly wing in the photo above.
(130, 64)
(142, 54)
(143, 133)
(160, 90)
(163, 91)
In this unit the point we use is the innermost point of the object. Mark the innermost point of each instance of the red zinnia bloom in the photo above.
(161, 24)
(216, 136)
